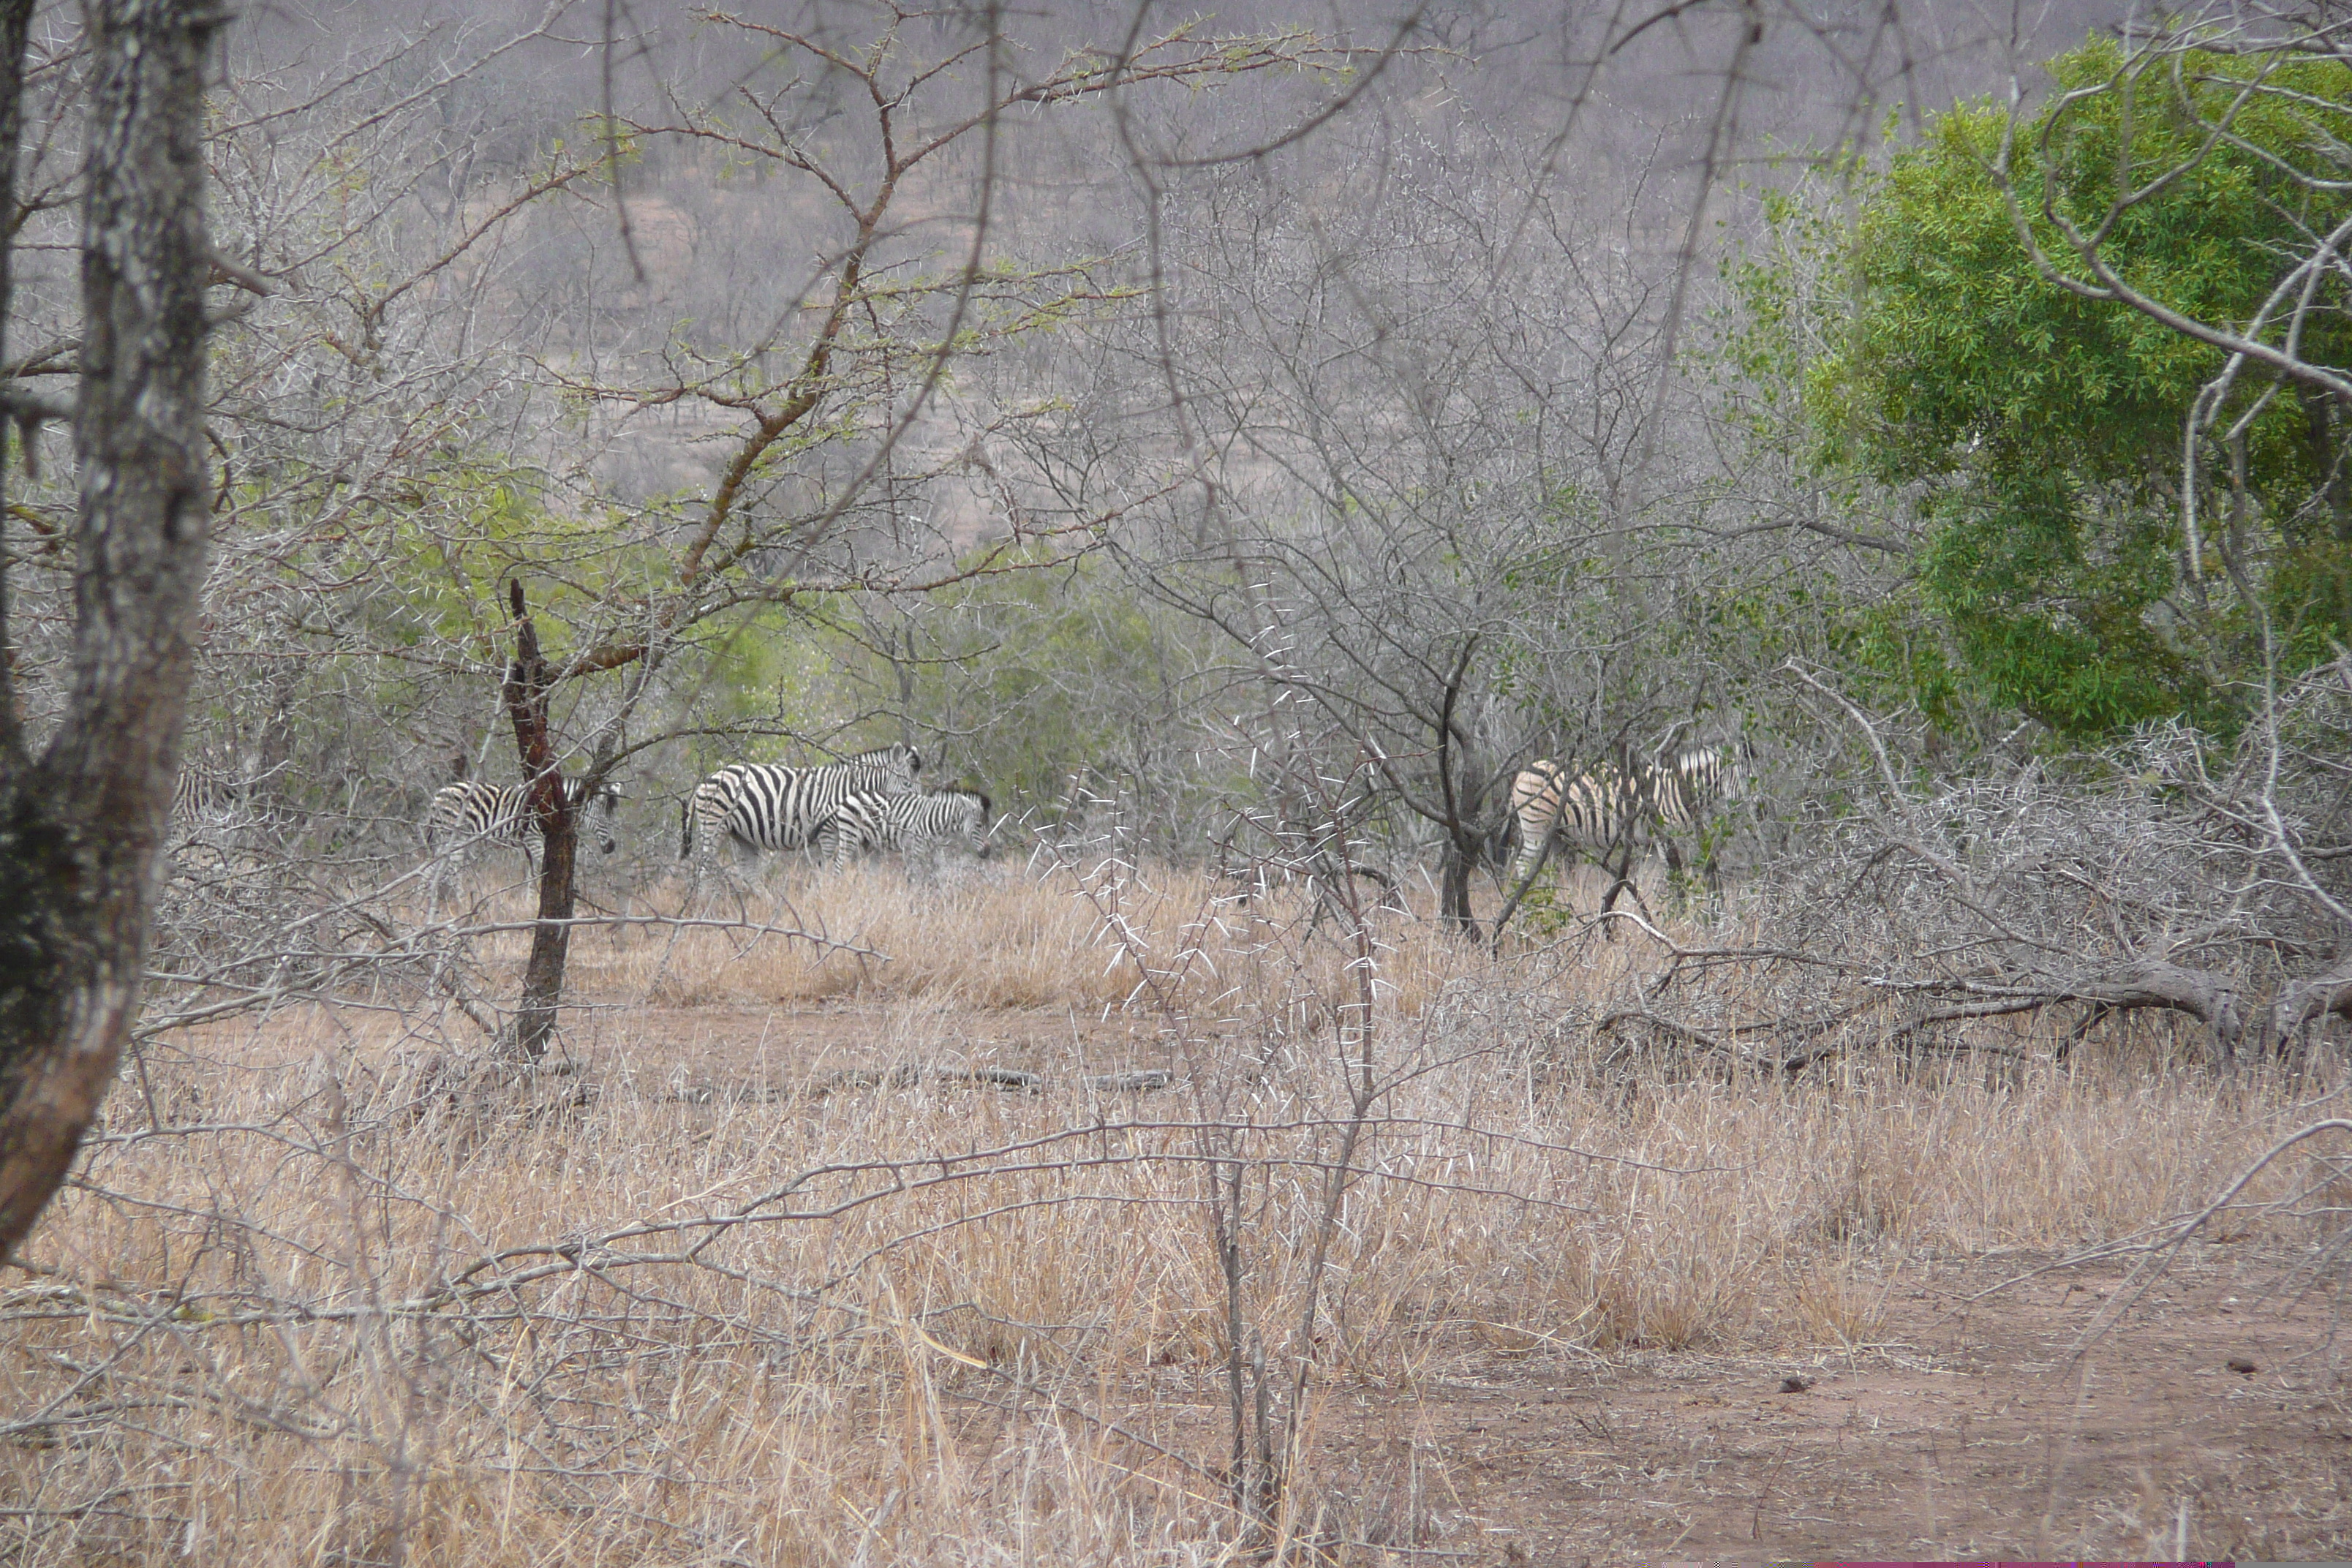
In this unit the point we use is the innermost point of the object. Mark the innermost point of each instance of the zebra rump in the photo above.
(766, 806)
(887, 822)
(472, 812)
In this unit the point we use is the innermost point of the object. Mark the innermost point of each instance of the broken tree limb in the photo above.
(2301, 1002)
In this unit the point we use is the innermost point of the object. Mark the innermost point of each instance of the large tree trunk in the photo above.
(80, 828)
(529, 685)
(16, 25)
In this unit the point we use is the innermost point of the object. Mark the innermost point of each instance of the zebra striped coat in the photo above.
(470, 814)
(204, 792)
(208, 797)
(887, 822)
(1608, 808)
(764, 805)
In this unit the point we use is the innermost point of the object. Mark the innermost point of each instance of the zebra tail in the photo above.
(686, 827)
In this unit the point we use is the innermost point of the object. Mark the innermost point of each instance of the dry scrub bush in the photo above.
(321, 1295)
(2172, 873)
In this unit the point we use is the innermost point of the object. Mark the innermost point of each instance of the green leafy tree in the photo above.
(2051, 313)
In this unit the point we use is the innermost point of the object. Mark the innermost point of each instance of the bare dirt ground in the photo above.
(1960, 1428)
(1962, 1432)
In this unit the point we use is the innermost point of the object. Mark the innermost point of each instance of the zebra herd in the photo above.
(870, 801)
(874, 803)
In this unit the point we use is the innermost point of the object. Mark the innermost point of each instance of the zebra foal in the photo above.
(766, 806)
(901, 822)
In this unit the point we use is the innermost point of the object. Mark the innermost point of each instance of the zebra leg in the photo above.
(461, 867)
(710, 870)
(704, 844)
(1518, 877)
(705, 868)
(710, 867)
(441, 848)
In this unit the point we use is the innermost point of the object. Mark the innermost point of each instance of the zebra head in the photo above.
(948, 812)
(897, 765)
(602, 800)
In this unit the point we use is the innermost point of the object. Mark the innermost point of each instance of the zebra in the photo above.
(470, 812)
(765, 806)
(205, 792)
(1608, 806)
(209, 799)
(886, 822)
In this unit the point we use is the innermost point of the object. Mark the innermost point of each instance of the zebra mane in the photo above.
(882, 756)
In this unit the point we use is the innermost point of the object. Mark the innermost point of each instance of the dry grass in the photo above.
(994, 937)
(358, 1301)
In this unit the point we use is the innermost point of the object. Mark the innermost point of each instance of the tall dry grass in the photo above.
(322, 1294)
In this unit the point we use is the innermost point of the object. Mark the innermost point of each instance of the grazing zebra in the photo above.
(208, 798)
(766, 806)
(469, 813)
(884, 822)
(202, 792)
(1609, 807)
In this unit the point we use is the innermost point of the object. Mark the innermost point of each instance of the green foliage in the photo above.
(467, 523)
(2042, 430)
(1031, 679)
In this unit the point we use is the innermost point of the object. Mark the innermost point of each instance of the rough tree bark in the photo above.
(529, 684)
(16, 25)
(80, 824)
(1465, 829)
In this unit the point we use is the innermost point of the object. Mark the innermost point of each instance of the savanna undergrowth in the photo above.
(333, 1286)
